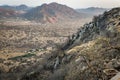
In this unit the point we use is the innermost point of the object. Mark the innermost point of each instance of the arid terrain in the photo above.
(22, 41)
(20, 36)
(46, 43)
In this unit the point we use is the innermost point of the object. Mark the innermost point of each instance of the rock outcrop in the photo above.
(106, 25)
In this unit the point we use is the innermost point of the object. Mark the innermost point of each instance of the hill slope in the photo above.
(101, 25)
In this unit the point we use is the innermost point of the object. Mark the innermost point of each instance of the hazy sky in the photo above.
(71, 3)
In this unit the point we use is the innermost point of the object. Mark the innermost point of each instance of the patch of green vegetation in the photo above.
(23, 56)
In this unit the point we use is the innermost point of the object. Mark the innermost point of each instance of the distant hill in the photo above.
(52, 12)
(92, 11)
(7, 13)
(18, 8)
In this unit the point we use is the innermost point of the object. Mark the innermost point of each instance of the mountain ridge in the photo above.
(22, 7)
(52, 12)
(92, 11)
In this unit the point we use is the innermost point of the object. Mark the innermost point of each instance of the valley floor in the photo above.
(27, 45)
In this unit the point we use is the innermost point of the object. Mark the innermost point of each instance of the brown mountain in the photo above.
(52, 12)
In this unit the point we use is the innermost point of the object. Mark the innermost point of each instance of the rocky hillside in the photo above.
(105, 25)
(52, 12)
(97, 49)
